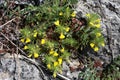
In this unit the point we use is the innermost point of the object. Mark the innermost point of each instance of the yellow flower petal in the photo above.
(73, 14)
(88, 15)
(92, 24)
(62, 50)
(61, 36)
(30, 55)
(42, 41)
(48, 66)
(25, 47)
(55, 64)
(54, 75)
(35, 34)
(98, 25)
(97, 21)
(55, 54)
(22, 40)
(27, 40)
(98, 34)
(96, 49)
(61, 13)
(103, 44)
(57, 23)
(92, 45)
(67, 29)
(51, 51)
(36, 55)
(60, 61)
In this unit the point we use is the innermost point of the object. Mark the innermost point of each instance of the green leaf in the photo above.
(70, 42)
(67, 13)
(65, 55)
(73, 1)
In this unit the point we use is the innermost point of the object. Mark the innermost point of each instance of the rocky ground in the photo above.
(18, 67)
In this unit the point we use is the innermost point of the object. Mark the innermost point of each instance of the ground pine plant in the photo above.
(52, 32)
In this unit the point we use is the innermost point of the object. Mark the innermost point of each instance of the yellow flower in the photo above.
(36, 55)
(57, 23)
(92, 45)
(61, 13)
(27, 40)
(48, 66)
(42, 41)
(67, 29)
(91, 23)
(96, 49)
(98, 20)
(88, 15)
(61, 36)
(103, 44)
(25, 47)
(55, 64)
(73, 14)
(98, 34)
(60, 61)
(55, 54)
(62, 50)
(30, 55)
(22, 40)
(35, 34)
(54, 75)
(97, 25)
(51, 51)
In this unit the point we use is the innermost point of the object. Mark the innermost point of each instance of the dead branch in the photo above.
(1, 47)
(7, 23)
(13, 43)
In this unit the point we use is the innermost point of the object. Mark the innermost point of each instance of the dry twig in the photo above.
(13, 43)
(7, 23)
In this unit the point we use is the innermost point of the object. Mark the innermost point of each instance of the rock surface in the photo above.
(12, 68)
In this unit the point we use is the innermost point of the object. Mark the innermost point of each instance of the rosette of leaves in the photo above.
(49, 33)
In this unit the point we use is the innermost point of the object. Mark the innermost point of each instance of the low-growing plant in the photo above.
(89, 74)
(52, 31)
(90, 71)
(112, 70)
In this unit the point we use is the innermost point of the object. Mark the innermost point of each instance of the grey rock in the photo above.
(24, 2)
(12, 68)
